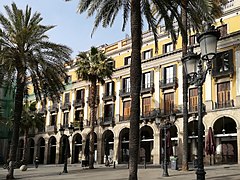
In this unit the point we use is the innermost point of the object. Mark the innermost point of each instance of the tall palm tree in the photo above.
(93, 66)
(188, 19)
(27, 55)
(30, 120)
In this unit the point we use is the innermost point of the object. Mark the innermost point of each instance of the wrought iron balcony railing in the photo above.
(66, 106)
(123, 93)
(168, 83)
(109, 96)
(78, 103)
(147, 88)
(105, 121)
(224, 104)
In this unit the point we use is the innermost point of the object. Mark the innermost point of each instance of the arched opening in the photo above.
(225, 134)
(52, 144)
(108, 145)
(124, 146)
(77, 148)
(41, 150)
(62, 150)
(192, 140)
(31, 145)
(146, 144)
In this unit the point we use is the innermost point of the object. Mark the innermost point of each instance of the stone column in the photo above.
(46, 150)
(100, 155)
(157, 147)
(238, 144)
(58, 146)
(116, 149)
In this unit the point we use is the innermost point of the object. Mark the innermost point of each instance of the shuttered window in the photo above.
(223, 94)
(168, 103)
(126, 110)
(146, 106)
(193, 99)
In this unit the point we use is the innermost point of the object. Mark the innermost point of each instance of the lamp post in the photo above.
(196, 67)
(61, 130)
(165, 126)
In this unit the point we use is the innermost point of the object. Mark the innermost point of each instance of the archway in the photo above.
(41, 150)
(77, 148)
(146, 144)
(192, 140)
(62, 148)
(225, 134)
(108, 144)
(52, 143)
(124, 146)
(31, 145)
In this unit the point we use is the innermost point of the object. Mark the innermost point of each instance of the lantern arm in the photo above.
(202, 73)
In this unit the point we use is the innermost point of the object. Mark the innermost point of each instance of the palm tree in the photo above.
(31, 120)
(206, 11)
(27, 55)
(93, 66)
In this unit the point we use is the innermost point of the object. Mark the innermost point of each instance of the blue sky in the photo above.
(72, 29)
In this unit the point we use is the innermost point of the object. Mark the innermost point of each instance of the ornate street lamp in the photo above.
(196, 68)
(165, 125)
(70, 130)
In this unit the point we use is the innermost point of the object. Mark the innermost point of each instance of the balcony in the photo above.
(51, 129)
(151, 114)
(225, 104)
(106, 121)
(109, 96)
(168, 83)
(123, 93)
(78, 103)
(124, 118)
(147, 88)
(66, 106)
(53, 108)
(193, 109)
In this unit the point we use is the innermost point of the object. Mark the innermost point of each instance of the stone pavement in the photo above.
(53, 172)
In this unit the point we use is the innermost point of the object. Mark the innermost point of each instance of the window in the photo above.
(108, 111)
(53, 119)
(223, 64)
(193, 99)
(126, 110)
(127, 60)
(146, 106)
(80, 94)
(68, 79)
(66, 99)
(109, 88)
(79, 115)
(126, 85)
(65, 119)
(169, 74)
(223, 30)
(147, 54)
(168, 103)
(192, 40)
(223, 95)
(112, 64)
(146, 80)
(168, 47)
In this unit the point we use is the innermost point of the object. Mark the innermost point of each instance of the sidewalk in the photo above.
(51, 172)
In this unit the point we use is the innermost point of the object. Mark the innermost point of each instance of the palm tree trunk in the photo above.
(185, 88)
(25, 148)
(93, 92)
(16, 124)
(135, 79)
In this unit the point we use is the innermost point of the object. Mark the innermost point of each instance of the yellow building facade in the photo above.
(161, 94)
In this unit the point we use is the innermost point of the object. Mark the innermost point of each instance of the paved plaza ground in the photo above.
(45, 172)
